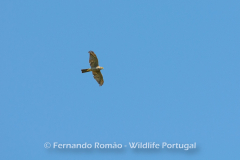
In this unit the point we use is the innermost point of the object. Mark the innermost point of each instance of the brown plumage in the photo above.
(95, 68)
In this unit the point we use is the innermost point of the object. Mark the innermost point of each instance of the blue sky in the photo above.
(171, 72)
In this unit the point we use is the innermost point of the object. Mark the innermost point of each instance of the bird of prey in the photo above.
(95, 68)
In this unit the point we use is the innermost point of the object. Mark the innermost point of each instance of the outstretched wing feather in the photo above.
(98, 77)
(93, 60)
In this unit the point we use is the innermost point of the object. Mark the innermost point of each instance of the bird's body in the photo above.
(95, 68)
(98, 68)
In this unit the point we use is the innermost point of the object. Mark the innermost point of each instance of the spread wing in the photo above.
(93, 59)
(98, 77)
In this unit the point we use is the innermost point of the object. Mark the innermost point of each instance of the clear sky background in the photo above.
(171, 72)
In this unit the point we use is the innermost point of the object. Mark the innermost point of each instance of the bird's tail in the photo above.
(85, 70)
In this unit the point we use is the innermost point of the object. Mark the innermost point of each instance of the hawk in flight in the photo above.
(95, 68)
